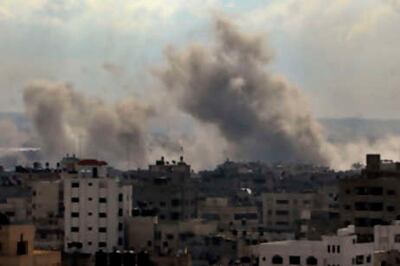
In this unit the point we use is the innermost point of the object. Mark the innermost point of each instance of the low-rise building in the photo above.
(16, 246)
(340, 249)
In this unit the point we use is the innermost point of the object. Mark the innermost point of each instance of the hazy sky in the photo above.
(343, 55)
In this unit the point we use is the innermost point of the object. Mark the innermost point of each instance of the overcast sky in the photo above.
(344, 55)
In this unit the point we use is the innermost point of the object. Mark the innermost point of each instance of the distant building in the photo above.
(372, 197)
(168, 190)
(226, 213)
(96, 208)
(282, 211)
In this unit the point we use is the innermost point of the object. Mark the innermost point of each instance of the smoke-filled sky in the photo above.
(342, 53)
(130, 80)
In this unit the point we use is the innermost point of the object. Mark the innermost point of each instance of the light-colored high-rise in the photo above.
(96, 207)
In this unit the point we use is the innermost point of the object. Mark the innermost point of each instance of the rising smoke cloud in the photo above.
(66, 121)
(239, 107)
(229, 86)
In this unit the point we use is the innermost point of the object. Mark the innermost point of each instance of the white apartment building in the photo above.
(341, 249)
(96, 207)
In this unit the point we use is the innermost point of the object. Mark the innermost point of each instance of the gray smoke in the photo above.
(229, 85)
(16, 145)
(66, 121)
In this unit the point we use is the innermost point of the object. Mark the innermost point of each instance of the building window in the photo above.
(282, 223)
(294, 260)
(359, 259)
(390, 208)
(90, 228)
(175, 216)
(338, 249)
(102, 229)
(74, 199)
(90, 184)
(312, 261)
(175, 202)
(89, 243)
(22, 246)
(90, 214)
(75, 184)
(103, 215)
(333, 249)
(329, 248)
(102, 244)
(376, 206)
(90, 199)
(282, 212)
(103, 200)
(120, 212)
(361, 222)
(120, 227)
(75, 214)
(120, 197)
(74, 229)
(120, 241)
(282, 202)
(368, 259)
(162, 203)
(397, 238)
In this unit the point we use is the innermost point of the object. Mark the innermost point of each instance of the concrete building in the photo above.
(340, 249)
(168, 190)
(140, 232)
(48, 214)
(17, 208)
(16, 246)
(227, 213)
(96, 208)
(370, 198)
(282, 211)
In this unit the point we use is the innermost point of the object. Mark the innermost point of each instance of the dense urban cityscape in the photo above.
(199, 133)
(85, 212)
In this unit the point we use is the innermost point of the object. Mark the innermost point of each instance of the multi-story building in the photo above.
(282, 211)
(15, 203)
(371, 198)
(48, 213)
(227, 213)
(168, 190)
(96, 207)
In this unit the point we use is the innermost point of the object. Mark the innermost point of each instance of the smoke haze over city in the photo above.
(221, 89)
